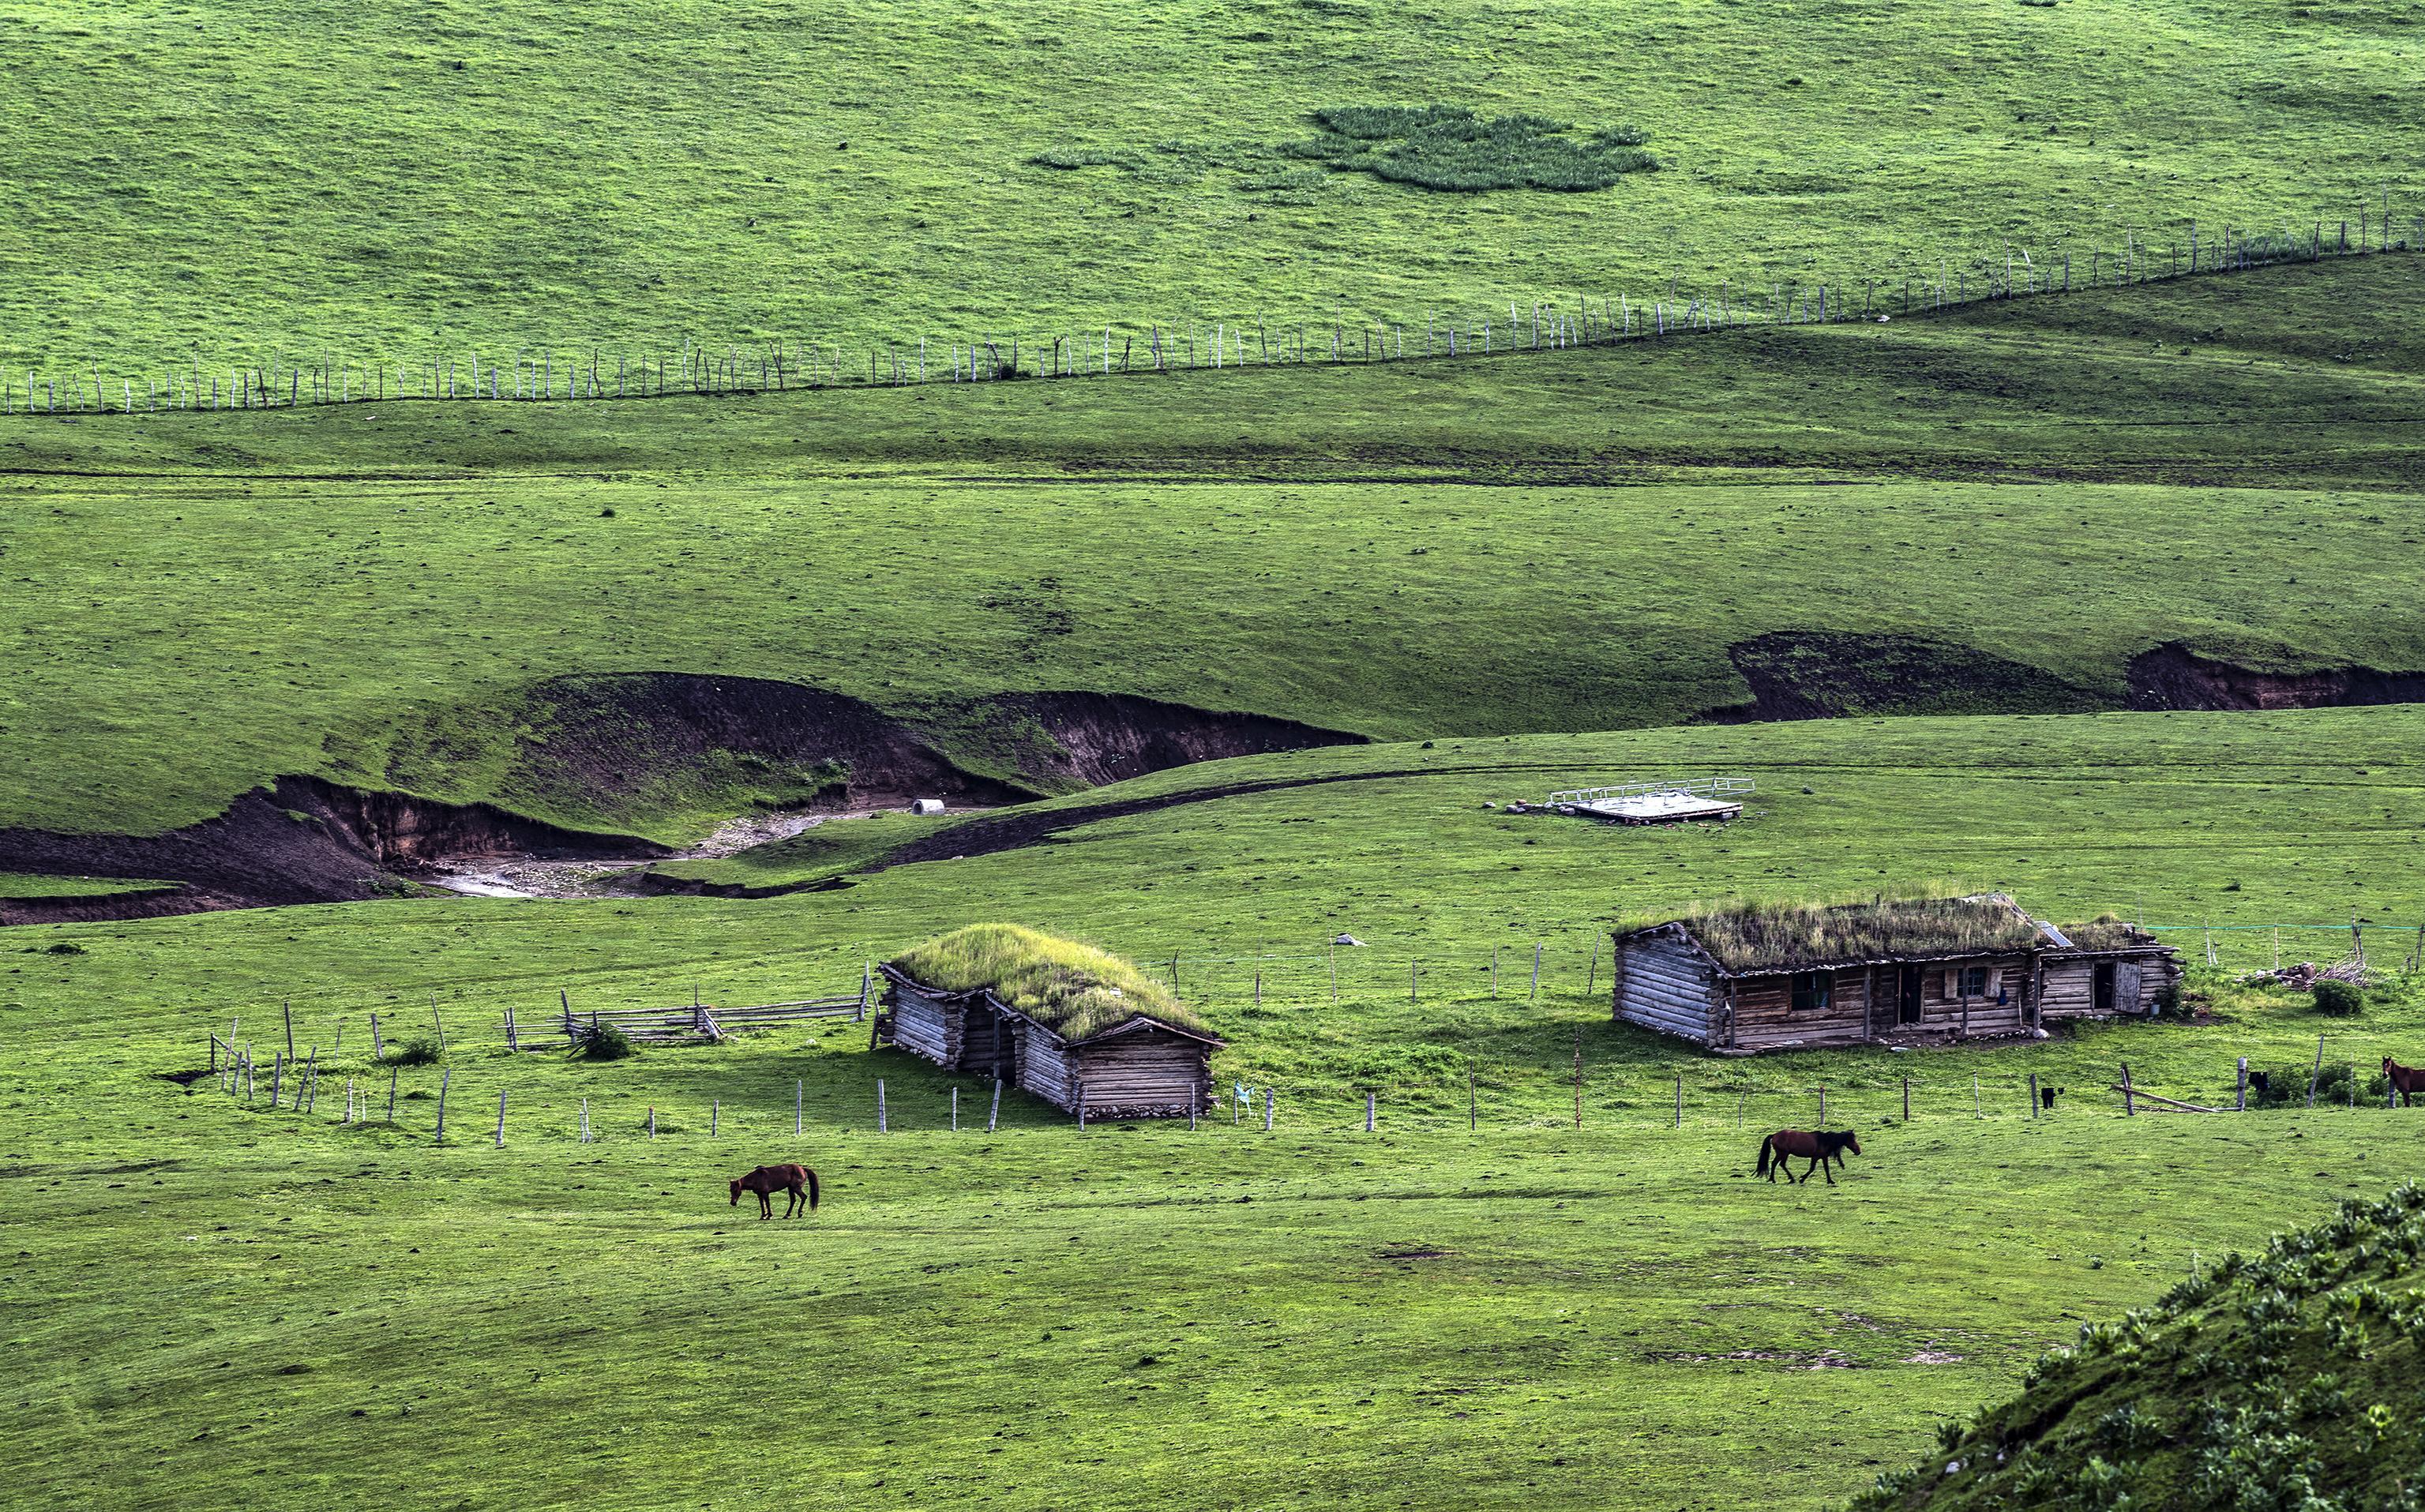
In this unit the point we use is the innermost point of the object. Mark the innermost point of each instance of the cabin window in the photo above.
(1812, 990)
(1974, 982)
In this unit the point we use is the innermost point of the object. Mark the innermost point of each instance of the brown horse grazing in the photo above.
(798, 1183)
(2406, 1080)
(1821, 1149)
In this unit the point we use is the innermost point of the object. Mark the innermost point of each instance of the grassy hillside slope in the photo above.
(252, 587)
(1540, 1316)
(2294, 373)
(2285, 1378)
(297, 180)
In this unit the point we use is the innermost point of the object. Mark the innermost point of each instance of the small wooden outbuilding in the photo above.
(1895, 970)
(1076, 1026)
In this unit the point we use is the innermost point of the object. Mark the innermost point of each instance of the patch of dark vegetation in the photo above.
(301, 840)
(2172, 675)
(1813, 674)
(1450, 149)
(185, 1078)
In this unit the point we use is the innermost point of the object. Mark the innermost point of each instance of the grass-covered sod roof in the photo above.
(1075, 990)
(1746, 937)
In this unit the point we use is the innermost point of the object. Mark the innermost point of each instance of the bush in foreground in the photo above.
(2338, 998)
(421, 1052)
(2286, 1380)
(603, 1042)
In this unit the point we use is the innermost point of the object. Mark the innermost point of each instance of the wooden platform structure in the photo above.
(1716, 799)
(1898, 971)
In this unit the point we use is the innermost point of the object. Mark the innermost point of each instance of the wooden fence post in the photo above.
(1679, 1101)
(1974, 1097)
(584, 1120)
(445, 1075)
(287, 1007)
(501, 1117)
(278, 1077)
(1823, 1107)
(652, 1121)
(2243, 1085)
(2033, 1094)
(879, 1105)
(994, 1113)
(392, 1073)
(715, 1114)
(796, 1084)
(2129, 1099)
(440, 1023)
(1536, 973)
(378, 1045)
(1906, 1100)
(956, 1110)
(1082, 1104)
(1578, 1078)
(1370, 1099)
(1268, 1099)
(1591, 979)
(1472, 1102)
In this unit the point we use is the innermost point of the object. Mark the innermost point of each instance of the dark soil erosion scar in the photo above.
(1812, 674)
(1088, 739)
(301, 840)
(2172, 675)
(629, 744)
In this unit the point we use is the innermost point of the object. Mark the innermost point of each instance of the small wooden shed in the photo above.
(1899, 970)
(1075, 1026)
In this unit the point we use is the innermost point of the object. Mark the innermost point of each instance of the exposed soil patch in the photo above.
(631, 743)
(1811, 674)
(2172, 675)
(301, 839)
(1092, 738)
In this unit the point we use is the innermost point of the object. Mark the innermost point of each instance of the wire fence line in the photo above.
(1564, 968)
(606, 373)
(456, 1103)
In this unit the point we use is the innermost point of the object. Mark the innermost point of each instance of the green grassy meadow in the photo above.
(1548, 1278)
(304, 181)
(1535, 1313)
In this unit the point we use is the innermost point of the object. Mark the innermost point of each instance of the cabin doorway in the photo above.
(1907, 996)
(2101, 991)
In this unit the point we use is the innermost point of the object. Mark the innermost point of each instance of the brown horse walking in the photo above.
(1821, 1149)
(2406, 1080)
(798, 1183)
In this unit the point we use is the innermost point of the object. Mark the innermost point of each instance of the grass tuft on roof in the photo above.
(1755, 936)
(1076, 991)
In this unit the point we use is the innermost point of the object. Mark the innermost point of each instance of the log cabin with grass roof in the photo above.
(1078, 1027)
(1749, 977)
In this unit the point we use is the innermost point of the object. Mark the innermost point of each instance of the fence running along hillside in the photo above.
(782, 363)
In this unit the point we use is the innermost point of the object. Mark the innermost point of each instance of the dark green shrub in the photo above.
(414, 1053)
(603, 1042)
(1449, 147)
(2337, 998)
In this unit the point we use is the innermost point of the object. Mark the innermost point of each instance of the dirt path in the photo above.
(603, 877)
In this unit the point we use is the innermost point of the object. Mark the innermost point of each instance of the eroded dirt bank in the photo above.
(774, 750)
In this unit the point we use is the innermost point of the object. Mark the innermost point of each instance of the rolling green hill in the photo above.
(300, 181)
(1605, 537)
(2286, 1377)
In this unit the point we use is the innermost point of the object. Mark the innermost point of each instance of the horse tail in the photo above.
(812, 1189)
(1766, 1145)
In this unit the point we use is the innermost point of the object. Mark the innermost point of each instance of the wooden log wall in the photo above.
(1765, 1017)
(1140, 1074)
(927, 1025)
(1661, 984)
